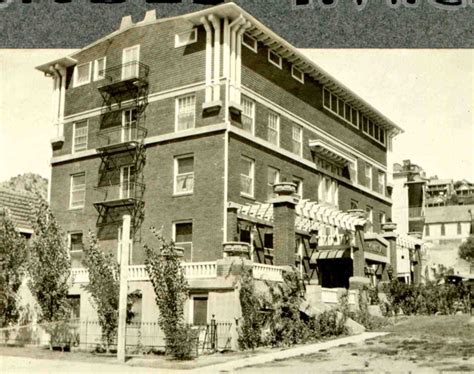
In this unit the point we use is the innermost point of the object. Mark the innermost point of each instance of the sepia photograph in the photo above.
(213, 189)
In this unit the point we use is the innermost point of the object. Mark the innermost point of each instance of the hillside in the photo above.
(28, 182)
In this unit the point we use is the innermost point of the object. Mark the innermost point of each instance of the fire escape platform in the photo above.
(119, 147)
(117, 203)
(123, 86)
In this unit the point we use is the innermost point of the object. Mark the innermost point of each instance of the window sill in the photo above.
(183, 194)
(77, 208)
(250, 197)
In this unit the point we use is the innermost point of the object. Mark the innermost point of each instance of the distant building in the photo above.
(448, 224)
(18, 205)
(464, 192)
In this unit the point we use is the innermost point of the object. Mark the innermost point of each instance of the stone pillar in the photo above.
(390, 235)
(358, 279)
(284, 236)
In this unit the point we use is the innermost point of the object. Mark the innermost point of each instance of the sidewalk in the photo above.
(9, 364)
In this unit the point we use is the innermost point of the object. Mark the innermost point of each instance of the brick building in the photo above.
(203, 124)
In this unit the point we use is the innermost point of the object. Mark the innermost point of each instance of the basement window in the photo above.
(250, 42)
(297, 74)
(274, 59)
(185, 38)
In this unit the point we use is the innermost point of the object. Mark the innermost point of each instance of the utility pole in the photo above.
(124, 262)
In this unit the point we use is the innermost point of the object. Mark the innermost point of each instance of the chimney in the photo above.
(150, 16)
(126, 22)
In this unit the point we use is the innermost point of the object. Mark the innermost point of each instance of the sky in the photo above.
(429, 93)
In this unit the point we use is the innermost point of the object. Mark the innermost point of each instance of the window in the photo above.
(297, 74)
(75, 306)
(185, 112)
(82, 74)
(353, 171)
(78, 191)
(368, 176)
(199, 310)
(297, 140)
(354, 204)
(382, 218)
(247, 167)
(381, 175)
(459, 228)
(274, 59)
(427, 230)
(299, 186)
(127, 182)
(136, 310)
(443, 229)
(250, 42)
(183, 237)
(80, 136)
(274, 128)
(185, 38)
(273, 177)
(184, 175)
(340, 108)
(129, 125)
(76, 247)
(99, 68)
(248, 114)
(301, 4)
(328, 191)
(370, 217)
(130, 62)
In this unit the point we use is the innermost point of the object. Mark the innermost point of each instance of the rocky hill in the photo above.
(28, 182)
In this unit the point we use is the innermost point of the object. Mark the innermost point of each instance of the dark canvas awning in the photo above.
(330, 254)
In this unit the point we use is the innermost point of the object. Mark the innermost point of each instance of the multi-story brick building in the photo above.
(187, 123)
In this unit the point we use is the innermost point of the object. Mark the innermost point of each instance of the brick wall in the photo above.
(204, 207)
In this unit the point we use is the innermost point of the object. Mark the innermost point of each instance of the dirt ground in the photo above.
(416, 344)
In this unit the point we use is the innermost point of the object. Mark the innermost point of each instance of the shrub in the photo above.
(182, 345)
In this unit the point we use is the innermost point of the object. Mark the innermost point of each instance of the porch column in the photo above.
(390, 235)
(358, 279)
(232, 234)
(284, 236)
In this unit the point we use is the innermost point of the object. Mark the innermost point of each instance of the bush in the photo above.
(330, 323)
(183, 344)
(430, 298)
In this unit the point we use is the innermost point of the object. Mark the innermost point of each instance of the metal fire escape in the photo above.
(121, 144)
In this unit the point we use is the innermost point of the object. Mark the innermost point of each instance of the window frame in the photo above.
(69, 241)
(177, 99)
(279, 65)
(278, 121)
(459, 228)
(270, 185)
(76, 68)
(71, 207)
(381, 178)
(253, 48)
(443, 229)
(335, 111)
(193, 38)
(191, 306)
(96, 68)
(74, 143)
(293, 140)
(184, 221)
(175, 174)
(252, 177)
(252, 102)
(299, 186)
(369, 182)
(124, 50)
(299, 79)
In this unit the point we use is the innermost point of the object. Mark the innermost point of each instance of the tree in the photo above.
(171, 289)
(49, 267)
(466, 249)
(104, 287)
(13, 258)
